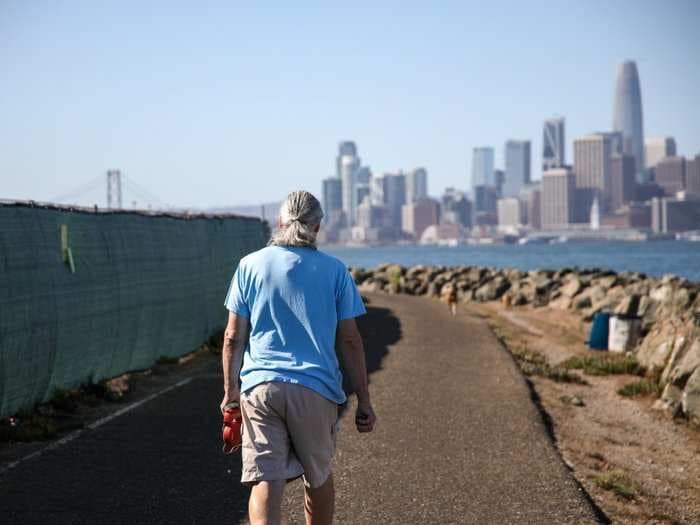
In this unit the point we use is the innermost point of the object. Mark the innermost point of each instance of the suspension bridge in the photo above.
(113, 190)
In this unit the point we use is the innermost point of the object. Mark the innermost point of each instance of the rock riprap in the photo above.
(668, 307)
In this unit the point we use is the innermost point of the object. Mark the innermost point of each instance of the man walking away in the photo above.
(290, 304)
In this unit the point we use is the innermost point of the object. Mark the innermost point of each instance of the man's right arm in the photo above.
(352, 354)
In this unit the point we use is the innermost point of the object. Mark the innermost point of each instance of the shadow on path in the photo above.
(380, 328)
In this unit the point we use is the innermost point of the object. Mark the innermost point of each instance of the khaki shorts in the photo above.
(288, 431)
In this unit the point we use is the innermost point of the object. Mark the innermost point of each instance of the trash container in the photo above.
(624, 333)
(598, 339)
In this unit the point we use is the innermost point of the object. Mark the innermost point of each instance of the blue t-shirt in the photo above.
(294, 298)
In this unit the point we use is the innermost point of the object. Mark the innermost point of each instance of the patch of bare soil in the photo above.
(638, 465)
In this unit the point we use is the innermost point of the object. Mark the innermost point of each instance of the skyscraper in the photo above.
(623, 184)
(510, 213)
(670, 175)
(417, 216)
(534, 207)
(395, 196)
(692, 175)
(456, 208)
(376, 191)
(482, 167)
(349, 164)
(553, 145)
(332, 196)
(627, 112)
(592, 169)
(558, 192)
(616, 140)
(517, 161)
(416, 185)
(657, 148)
(346, 147)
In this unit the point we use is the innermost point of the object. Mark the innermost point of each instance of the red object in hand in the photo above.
(232, 428)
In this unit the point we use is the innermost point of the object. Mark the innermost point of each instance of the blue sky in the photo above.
(221, 103)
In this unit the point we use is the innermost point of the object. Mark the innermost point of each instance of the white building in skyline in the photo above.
(510, 214)
(349, 164)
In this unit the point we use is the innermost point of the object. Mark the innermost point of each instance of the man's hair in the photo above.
(300, 214)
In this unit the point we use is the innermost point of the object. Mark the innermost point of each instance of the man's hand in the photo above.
(365, 418)
(231, 397)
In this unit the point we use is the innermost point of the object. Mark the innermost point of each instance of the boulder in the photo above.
(607, 282)
(687, 363)
(656, 349)
(582, 302)
(597, 293)
(394, 287)
(513, 274)
(414, 271)
(562, 272)
(381, 277)
(422, 288)
(395, 270)
(562, 302)
(690, 399)
(543, 285)
(370, 285)
(433, 289)
(628, 306)
(466, 296)
(670, 400)
(360, 274)
(492, 290)
(519, 299)
(572, 288)
(475, 275)
(662, 294)
(682, 299)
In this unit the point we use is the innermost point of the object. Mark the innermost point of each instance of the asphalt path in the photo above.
(459, 440)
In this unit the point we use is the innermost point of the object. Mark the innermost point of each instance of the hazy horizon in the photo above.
(222, 105)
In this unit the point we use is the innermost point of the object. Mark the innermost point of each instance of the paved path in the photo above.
(458, 441)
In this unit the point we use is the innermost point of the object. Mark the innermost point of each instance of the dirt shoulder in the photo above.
(639, 465)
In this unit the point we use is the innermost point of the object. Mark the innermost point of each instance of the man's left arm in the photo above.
(235, 341)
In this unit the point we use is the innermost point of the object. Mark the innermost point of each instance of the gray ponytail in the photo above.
(300, 214)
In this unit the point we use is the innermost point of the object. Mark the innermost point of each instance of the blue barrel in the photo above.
(598, 339)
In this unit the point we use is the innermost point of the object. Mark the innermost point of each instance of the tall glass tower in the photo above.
(517, 167)
(627, 116)
(482, 167)
(553, 144)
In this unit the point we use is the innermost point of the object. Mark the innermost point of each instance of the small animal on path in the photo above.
(451, 298)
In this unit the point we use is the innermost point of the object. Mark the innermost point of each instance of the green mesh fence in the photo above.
(87, 296)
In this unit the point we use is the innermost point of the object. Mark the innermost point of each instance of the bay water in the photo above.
(654, 258)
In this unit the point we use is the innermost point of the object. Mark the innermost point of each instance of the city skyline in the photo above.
(610, 189)
(249, 96)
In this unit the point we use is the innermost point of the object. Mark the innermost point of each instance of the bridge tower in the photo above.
(114, 190)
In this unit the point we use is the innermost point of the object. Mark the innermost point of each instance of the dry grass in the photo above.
(616, 482)
(604, 365)
(642, 387)
(535, 364)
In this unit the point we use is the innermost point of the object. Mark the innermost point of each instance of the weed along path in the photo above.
(459, 440)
